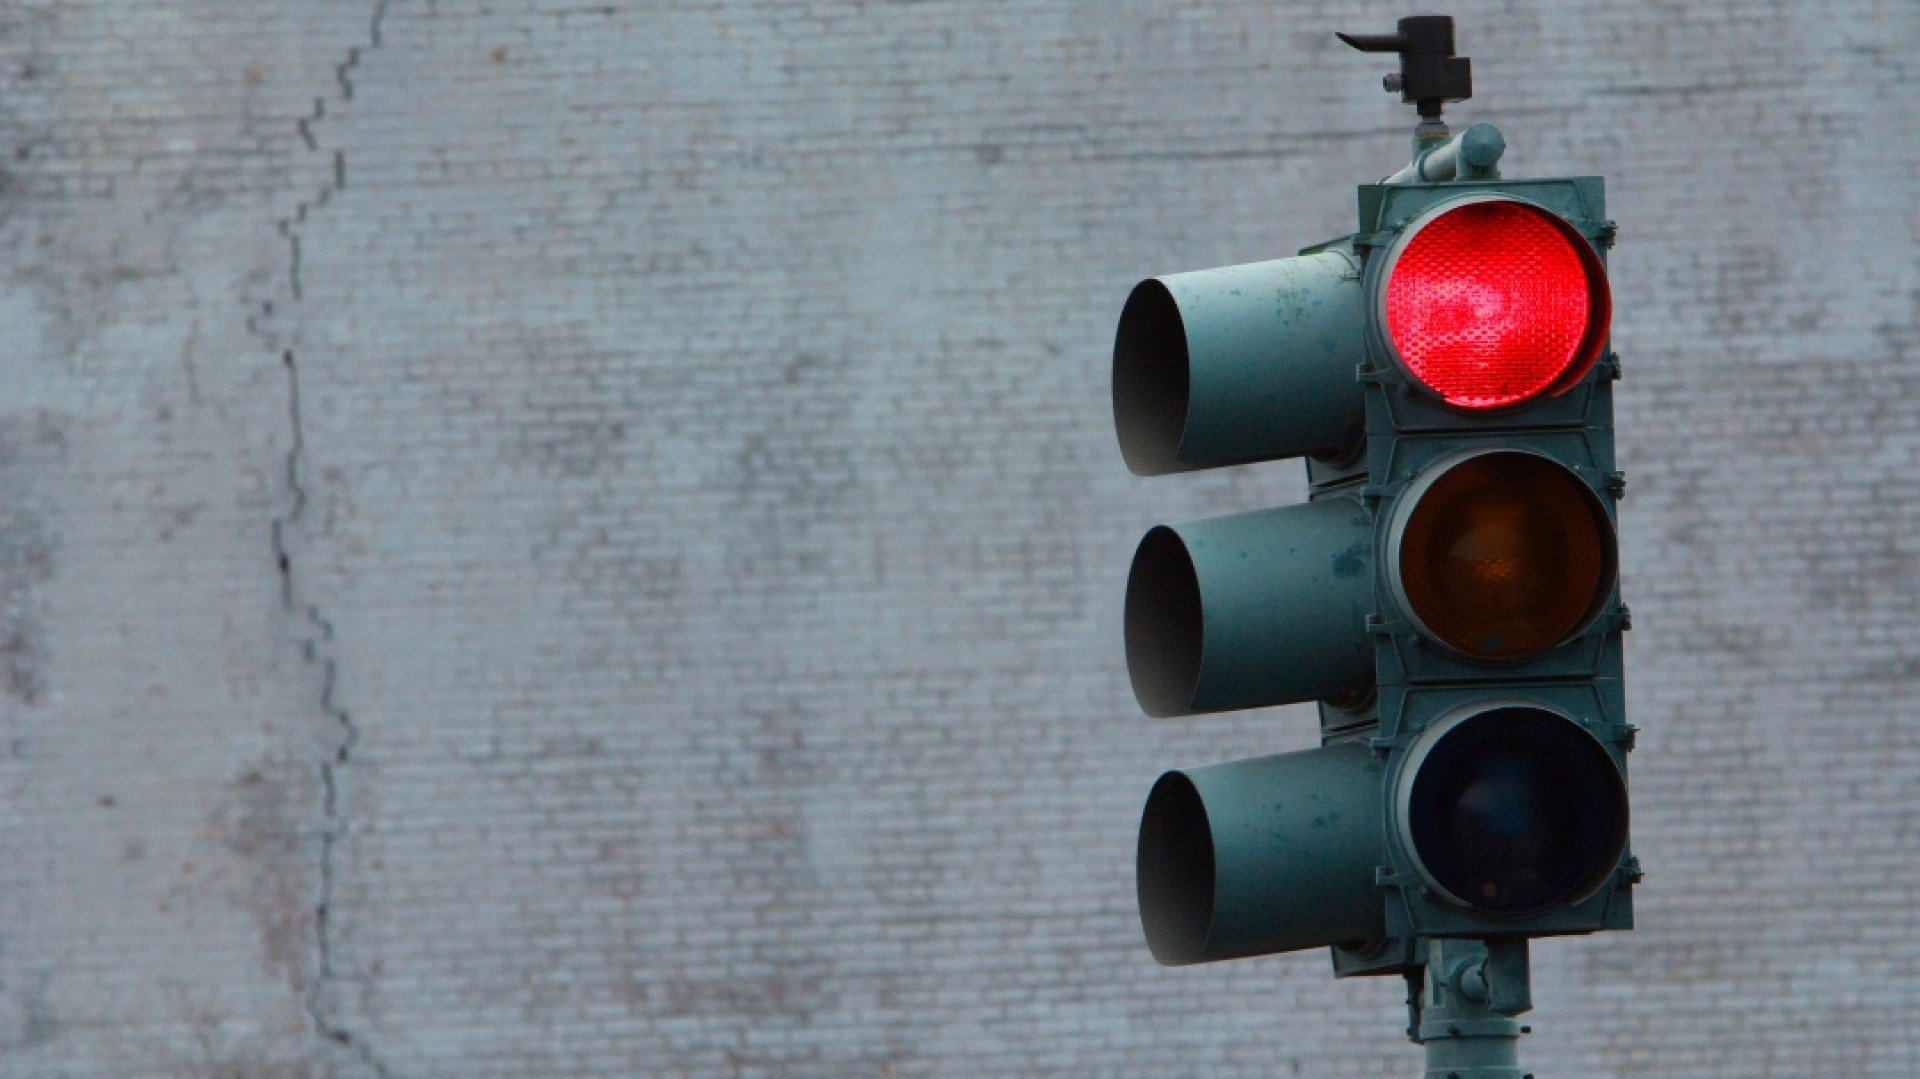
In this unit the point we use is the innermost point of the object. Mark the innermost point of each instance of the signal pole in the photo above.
(1465, 998)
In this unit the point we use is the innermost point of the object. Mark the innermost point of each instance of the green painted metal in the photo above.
(1254, 609)
(1242, 363)
(1272, 854)
(1470, 994)
(1421, 685)
(1474, 154)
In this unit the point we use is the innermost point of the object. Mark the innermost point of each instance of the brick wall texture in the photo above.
(561, 539)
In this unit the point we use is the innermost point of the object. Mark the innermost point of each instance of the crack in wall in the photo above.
(317, 638)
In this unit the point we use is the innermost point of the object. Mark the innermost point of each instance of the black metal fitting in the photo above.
(1430, 74)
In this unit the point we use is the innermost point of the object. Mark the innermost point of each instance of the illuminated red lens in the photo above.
(1491, 304)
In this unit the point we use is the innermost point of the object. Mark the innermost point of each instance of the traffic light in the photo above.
(1448, 593)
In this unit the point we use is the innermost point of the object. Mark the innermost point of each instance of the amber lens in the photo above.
(1506, 554)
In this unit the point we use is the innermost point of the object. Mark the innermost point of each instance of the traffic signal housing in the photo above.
(1448, 593)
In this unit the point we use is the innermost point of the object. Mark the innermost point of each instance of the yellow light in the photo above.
(1505, 554)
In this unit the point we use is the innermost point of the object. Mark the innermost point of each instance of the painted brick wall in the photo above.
(557, 539)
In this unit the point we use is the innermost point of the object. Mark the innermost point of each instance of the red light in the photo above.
(1494, 303)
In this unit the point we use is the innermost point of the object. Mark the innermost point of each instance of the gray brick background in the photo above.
(555, 539)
